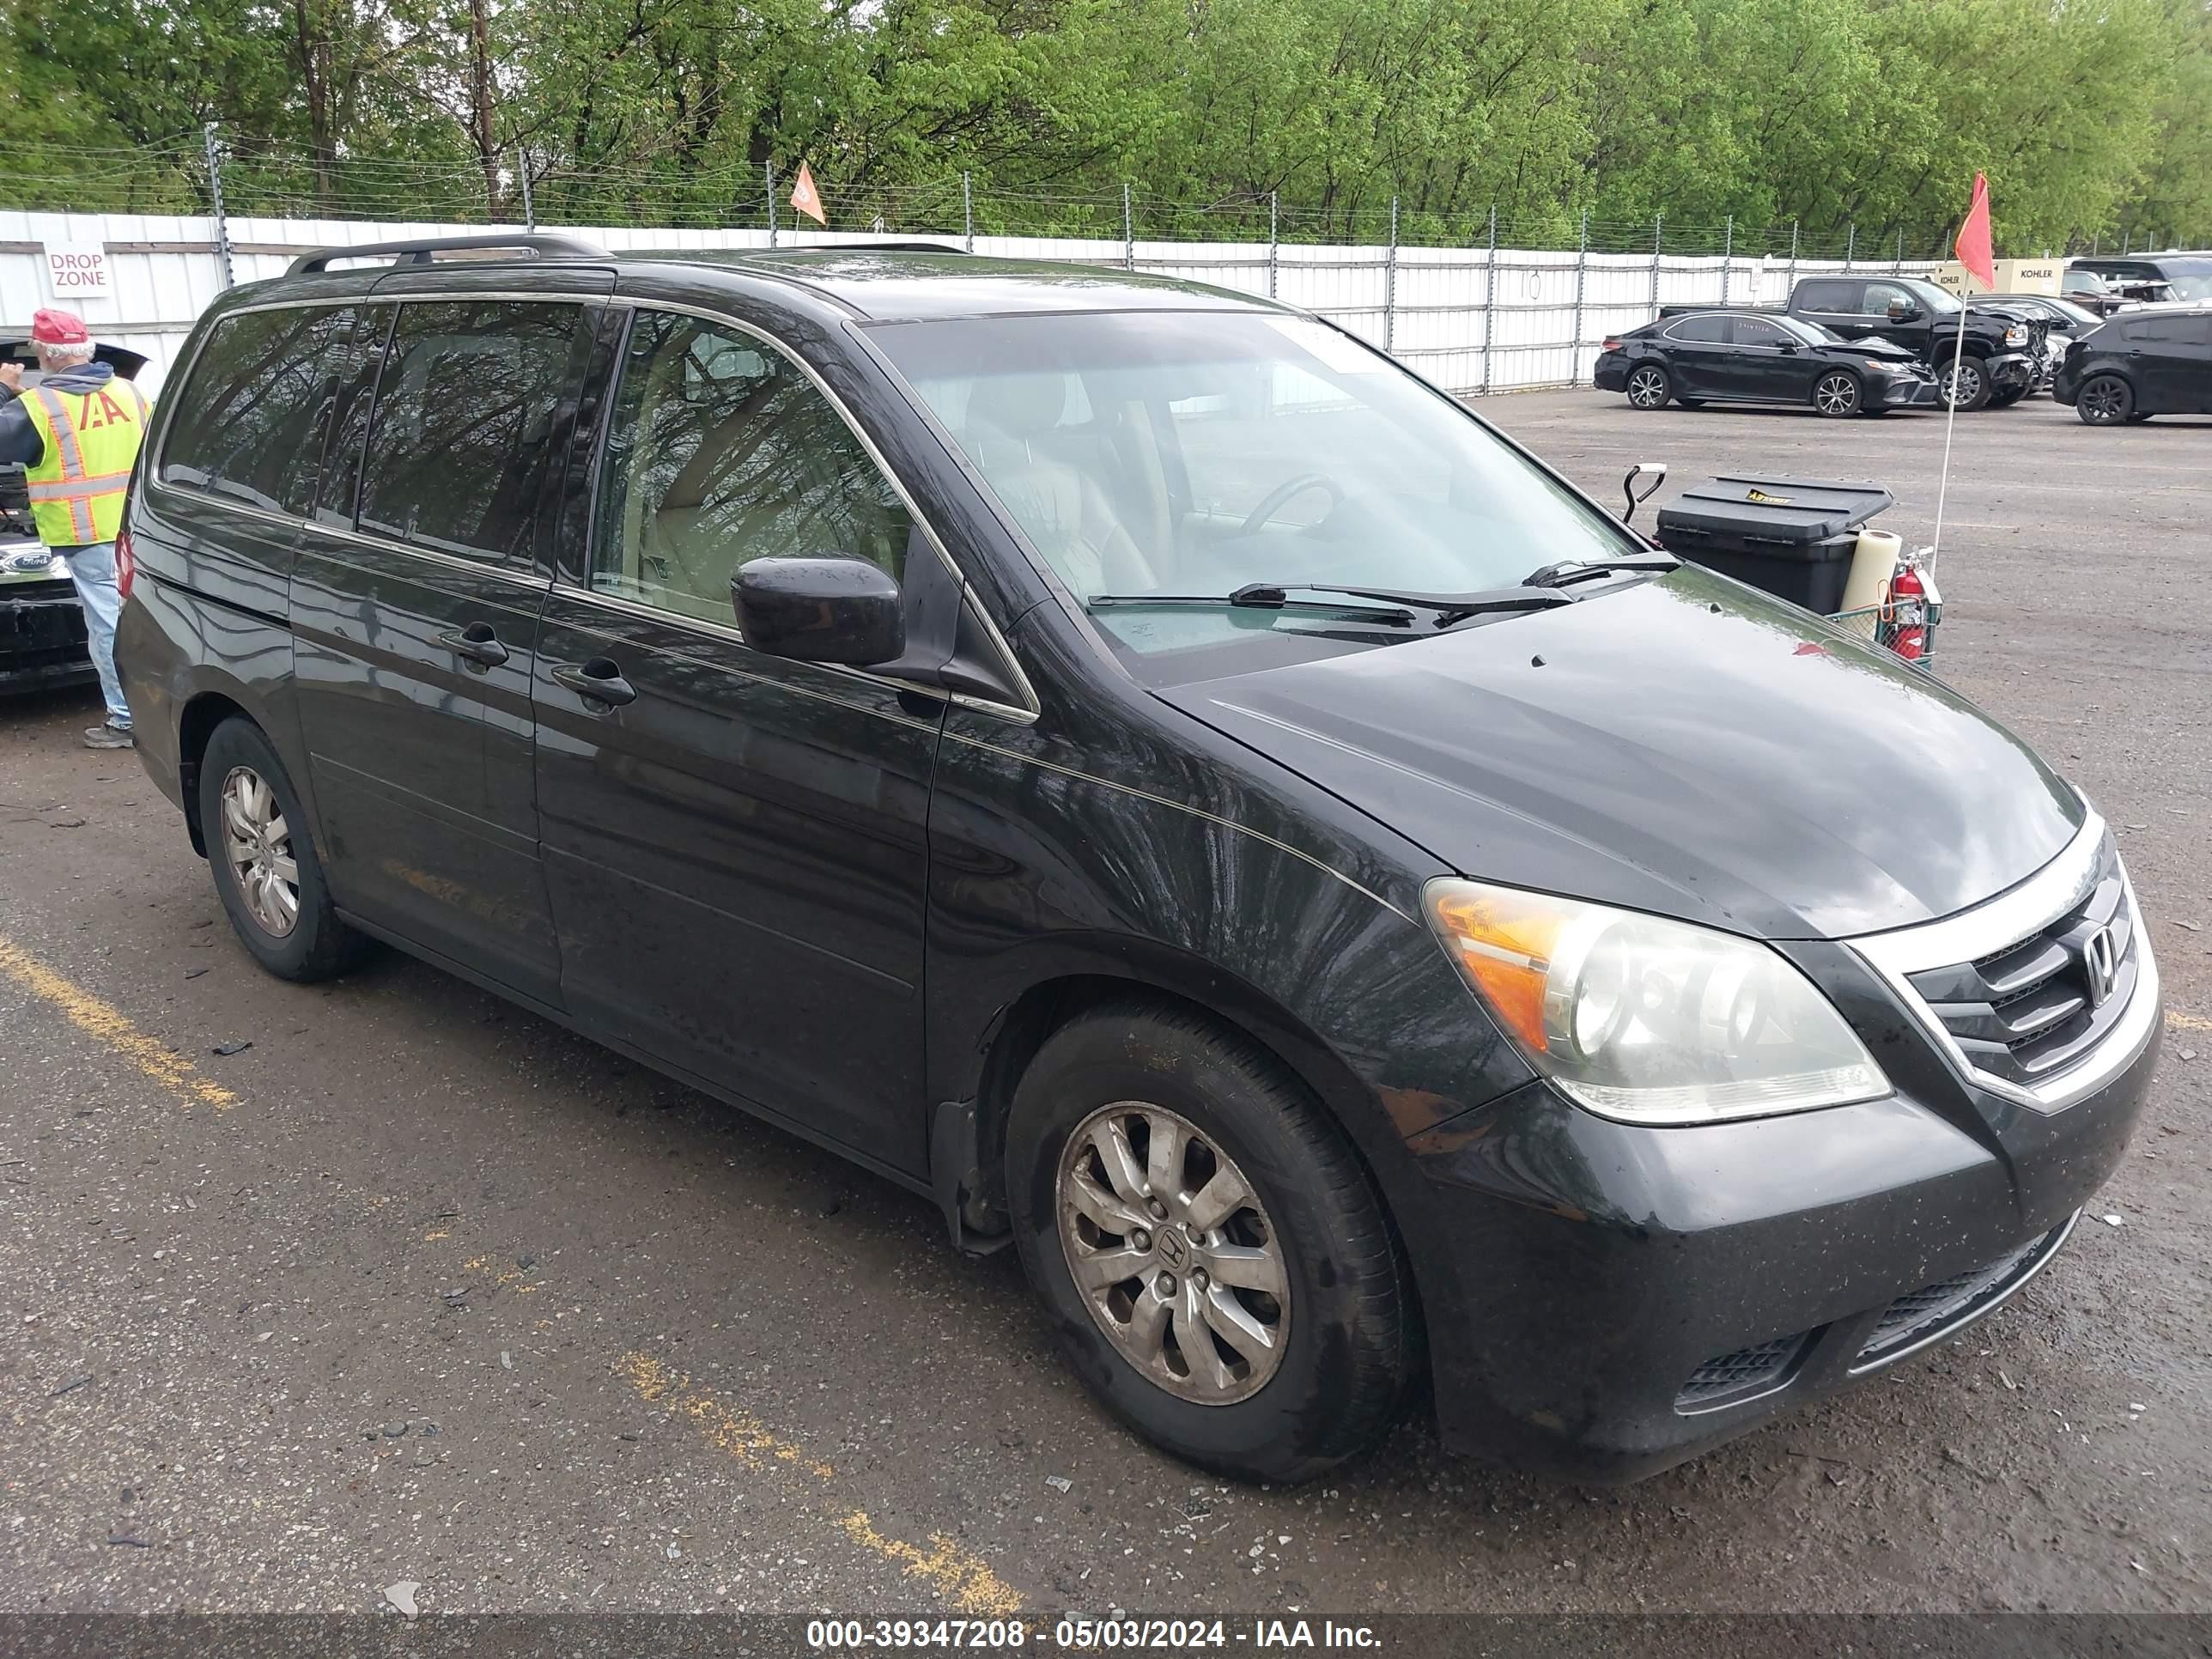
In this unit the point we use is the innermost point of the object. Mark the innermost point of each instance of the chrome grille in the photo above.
(2027, 1012)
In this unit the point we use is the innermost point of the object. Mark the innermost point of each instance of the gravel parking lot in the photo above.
(417, 1289)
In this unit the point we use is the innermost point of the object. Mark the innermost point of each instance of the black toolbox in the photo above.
(1792, 538)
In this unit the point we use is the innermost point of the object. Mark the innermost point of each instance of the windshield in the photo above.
(1940, 300)
(1810, 333)
(1193, 453)
(2190, 279)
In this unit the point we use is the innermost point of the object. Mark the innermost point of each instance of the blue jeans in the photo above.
(92, 567)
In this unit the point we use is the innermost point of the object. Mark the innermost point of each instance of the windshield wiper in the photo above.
(1258, 598)
(1575, 571)
(1450, 608)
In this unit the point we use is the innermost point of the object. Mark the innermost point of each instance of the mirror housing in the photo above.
(1903, 311)
(835, 610)
(1654, 470)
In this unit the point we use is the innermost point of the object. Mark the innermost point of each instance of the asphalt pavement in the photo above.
(417, 1298)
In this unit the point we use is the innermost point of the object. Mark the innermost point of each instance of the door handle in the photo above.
(598, 680)
(476, 642)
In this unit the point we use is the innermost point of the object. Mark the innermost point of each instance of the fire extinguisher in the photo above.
(1908, 603)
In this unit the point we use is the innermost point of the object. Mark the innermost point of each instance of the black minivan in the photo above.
(1132, 763)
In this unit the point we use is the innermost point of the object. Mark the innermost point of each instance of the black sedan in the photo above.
(1763, 357)
(2154, 362)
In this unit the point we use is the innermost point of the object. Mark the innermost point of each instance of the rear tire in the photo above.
(1647, 387)
(1194, 1106)
(1973, 383)
(266, 872)
(2104, 400)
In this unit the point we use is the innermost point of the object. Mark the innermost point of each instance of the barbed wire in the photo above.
(264, 179)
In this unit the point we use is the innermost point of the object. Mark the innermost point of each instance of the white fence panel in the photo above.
(1536, 321)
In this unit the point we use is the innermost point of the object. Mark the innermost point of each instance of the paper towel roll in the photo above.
(1874, 562)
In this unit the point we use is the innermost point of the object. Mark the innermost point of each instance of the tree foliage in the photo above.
(2092, 117)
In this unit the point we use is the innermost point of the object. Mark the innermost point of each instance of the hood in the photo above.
(1687, 746)
(1867, 348)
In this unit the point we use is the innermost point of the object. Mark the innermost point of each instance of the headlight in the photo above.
(2015, 335)
(1884, 366)
(1646, 1020)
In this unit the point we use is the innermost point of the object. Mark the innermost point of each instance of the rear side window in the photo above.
(463, 429)
(1813, 296)
(252, 418)
(1706, 331)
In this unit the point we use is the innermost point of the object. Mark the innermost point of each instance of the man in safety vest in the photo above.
(76, 434)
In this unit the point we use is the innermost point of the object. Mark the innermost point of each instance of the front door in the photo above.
(1768, 364)
(735, 844)
(415, 604)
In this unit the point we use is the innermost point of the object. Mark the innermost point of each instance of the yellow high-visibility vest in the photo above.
(90, 439)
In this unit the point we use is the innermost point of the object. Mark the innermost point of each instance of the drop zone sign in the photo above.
(77, 270)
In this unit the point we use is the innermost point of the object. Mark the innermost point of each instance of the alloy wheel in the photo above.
(2105, 402)
(1961, 382)
(258, 843)
(1837, 394)
(1647, 388)
(1173, 1254)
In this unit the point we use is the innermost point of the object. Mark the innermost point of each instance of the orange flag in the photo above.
(1973, 243)
(804, 198)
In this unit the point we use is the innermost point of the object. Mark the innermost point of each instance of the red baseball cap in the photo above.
(57, 328)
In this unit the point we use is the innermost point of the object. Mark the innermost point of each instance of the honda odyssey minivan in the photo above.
(1133, 764)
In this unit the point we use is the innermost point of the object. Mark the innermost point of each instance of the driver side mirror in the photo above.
(829, 610)
(1652, 475)
(1903, 311)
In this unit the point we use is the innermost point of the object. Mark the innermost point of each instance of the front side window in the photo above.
(1760, 332)
(1880, 296)
(1190, 454)
(464, 424)
(1700, 331)
(721, 451)
(250, 422)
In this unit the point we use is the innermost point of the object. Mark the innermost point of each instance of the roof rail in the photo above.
(422, 250)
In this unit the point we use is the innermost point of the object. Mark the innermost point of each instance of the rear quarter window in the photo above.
(250, 422)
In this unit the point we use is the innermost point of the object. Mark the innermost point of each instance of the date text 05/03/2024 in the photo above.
(1080, 1635)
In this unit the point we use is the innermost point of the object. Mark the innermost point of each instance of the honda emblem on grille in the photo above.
(2102, 957)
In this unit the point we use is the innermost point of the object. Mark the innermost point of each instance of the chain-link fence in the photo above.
(1479, 300)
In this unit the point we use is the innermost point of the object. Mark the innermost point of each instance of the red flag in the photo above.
(1973, 244)
(806, 199)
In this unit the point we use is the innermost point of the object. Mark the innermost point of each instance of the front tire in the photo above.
(1215, 1257)
(1648, 386)
(1965, 382)
(266, 872)
(2007, 399)
(1838, 395)
(2104, 400)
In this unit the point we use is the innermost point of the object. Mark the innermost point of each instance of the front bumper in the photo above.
(42, 638)
(2011, 371)
(1909, 391)
(1606, 1299)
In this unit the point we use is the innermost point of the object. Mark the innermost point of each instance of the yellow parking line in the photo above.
(106, 1024)
(958, 1573)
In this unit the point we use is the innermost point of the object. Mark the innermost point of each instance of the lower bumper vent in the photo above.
(1922, 1316)
(1728, 1377)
